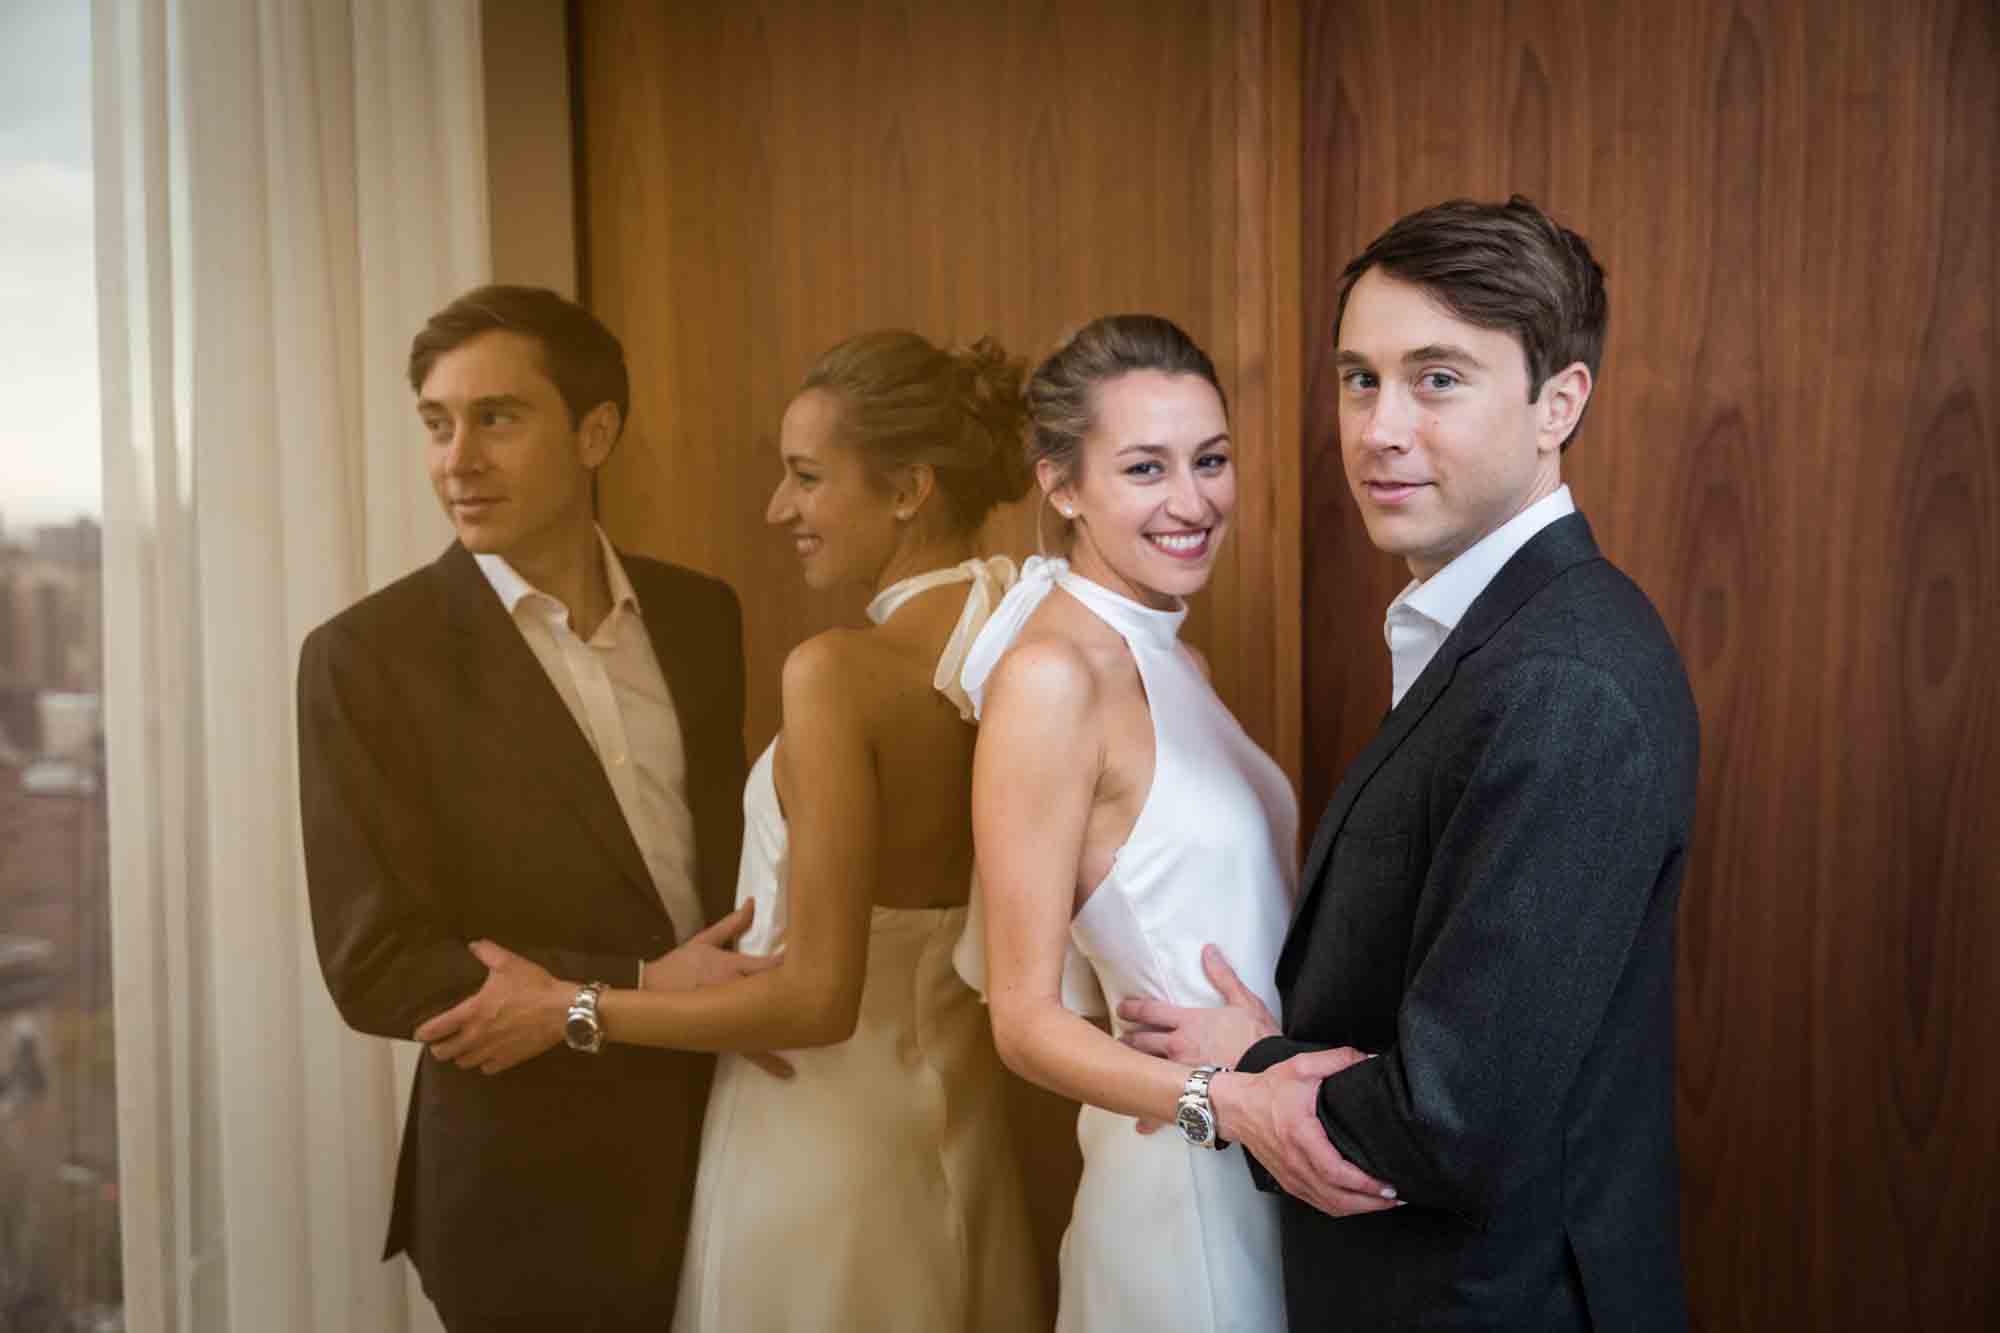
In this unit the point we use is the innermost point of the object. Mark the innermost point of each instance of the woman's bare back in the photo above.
(919, 747)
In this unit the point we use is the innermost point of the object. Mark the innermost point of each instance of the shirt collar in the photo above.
(1445, 596)
(514, 589)
(622, 596)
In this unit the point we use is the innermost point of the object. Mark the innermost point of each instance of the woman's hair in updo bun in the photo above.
(1062, 394)
(904, 402)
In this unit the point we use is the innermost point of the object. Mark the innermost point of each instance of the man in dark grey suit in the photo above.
(1469, 1107)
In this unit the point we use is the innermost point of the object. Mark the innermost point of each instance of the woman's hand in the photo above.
(707, 959)
(1201, 1036)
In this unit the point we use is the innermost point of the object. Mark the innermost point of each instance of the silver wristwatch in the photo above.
(582, 1029)
(1196, 1117)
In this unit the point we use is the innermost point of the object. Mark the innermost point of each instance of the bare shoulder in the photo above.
(1200, 660)
(827, 672)
(1045, 674)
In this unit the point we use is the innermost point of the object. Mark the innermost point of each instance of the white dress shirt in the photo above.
(1426, 612)
(618, 695)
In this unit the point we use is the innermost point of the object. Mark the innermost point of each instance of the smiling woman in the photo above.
(1168, 487)
(1122, 815)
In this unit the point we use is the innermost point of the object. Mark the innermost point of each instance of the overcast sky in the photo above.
(49, 462)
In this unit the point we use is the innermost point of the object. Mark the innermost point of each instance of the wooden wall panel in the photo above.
(764, 179)
(760, 180)
(1795, 449)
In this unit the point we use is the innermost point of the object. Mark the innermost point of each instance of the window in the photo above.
(59, 1244)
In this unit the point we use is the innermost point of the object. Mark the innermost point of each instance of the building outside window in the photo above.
(59, 1241)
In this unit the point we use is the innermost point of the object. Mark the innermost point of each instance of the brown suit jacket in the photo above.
(448, 795)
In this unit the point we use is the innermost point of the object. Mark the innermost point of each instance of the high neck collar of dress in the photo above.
(1139, 623)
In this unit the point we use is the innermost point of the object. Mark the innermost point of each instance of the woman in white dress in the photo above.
(1124, 820)
(876, 1188)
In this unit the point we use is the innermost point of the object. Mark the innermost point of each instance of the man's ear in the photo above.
(597, 434)
(1561, 405)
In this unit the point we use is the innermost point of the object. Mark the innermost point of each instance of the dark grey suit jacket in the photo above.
(1489, 908)
(448, 795)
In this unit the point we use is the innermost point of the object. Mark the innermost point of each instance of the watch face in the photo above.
(579, 1031)
(1194, 1126)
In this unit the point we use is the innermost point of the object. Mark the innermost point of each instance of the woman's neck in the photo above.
(921, 557)
(1087, 561)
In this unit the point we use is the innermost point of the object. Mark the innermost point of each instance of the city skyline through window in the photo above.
(59, 1227)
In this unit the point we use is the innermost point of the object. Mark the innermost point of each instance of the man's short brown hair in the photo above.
(584, 359)
(1499, 266)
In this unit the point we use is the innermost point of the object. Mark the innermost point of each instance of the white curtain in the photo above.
(286, 189)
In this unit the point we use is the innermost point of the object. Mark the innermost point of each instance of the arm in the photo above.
(1034, 781)
(387, 946)
(1540, 884)
(826, 775)
(389, 959)
(1275, 1118)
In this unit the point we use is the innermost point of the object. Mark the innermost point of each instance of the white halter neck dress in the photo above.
(878, 1188)
(1162, 1235)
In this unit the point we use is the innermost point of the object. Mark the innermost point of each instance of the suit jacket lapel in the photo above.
(1395, 728)
(1561, 545)
(503, 671)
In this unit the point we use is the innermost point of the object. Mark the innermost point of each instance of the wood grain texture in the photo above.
(760, 180)
(764, 179)
(1794, 448)
(1265, 591)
